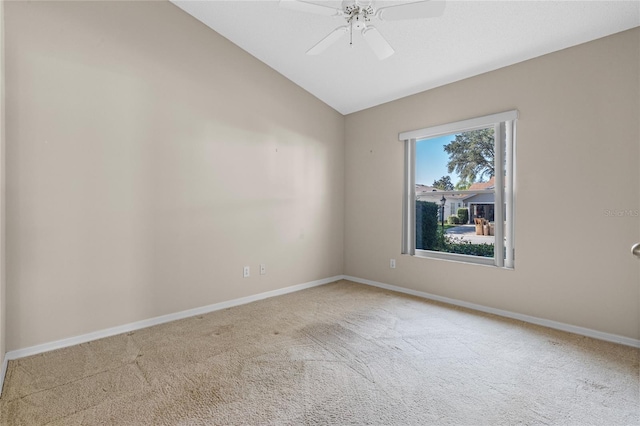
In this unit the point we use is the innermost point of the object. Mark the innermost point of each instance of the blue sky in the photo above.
(431, 160)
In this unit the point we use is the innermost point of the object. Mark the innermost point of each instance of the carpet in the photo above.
(338, 354)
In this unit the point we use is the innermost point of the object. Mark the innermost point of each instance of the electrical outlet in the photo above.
(392, 263)
(263, 269)
(246, 272)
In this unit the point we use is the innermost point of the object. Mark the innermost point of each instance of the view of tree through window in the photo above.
(455, 197)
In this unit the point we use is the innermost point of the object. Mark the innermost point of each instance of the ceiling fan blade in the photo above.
(303, 6)
(334, 36)
(378, 44)
(414, 10)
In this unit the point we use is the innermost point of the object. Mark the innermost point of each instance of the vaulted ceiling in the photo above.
(469, 38)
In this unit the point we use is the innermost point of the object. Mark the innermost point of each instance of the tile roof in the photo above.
(483, 185)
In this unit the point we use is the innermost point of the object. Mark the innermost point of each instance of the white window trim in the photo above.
(459, 126)
(504, 126)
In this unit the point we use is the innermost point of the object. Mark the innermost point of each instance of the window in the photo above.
(458, 200)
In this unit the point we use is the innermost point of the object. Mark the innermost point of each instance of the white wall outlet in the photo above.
(246, 272)
(263, 269)
(392, 263)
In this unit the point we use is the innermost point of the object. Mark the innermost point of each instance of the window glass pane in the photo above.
(453, 221)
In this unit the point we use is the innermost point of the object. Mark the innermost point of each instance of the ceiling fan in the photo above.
(358, 14)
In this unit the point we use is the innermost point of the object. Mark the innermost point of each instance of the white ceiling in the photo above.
(470, 38)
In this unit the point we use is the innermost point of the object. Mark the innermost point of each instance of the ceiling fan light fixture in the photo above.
(359, 22)
(358, 13)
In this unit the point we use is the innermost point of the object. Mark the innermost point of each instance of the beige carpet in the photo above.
(339, 354)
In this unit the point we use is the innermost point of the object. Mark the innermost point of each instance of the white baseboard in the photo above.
(513, 315)
(45, 347)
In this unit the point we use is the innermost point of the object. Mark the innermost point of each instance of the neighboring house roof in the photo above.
(482, 198)
(491, 183)
(424, 193)
(420, 188)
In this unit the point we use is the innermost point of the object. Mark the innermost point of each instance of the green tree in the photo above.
(462, 185)
(471, 155)
(444, 183)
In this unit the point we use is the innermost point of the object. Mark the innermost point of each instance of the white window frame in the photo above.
(504, 124)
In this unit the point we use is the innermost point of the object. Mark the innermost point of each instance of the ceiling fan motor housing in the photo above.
(358, 14)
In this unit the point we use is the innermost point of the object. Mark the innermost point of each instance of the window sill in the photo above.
(460, 258)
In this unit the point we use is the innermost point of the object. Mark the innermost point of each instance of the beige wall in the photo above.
(577, 153)
(149, 159)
